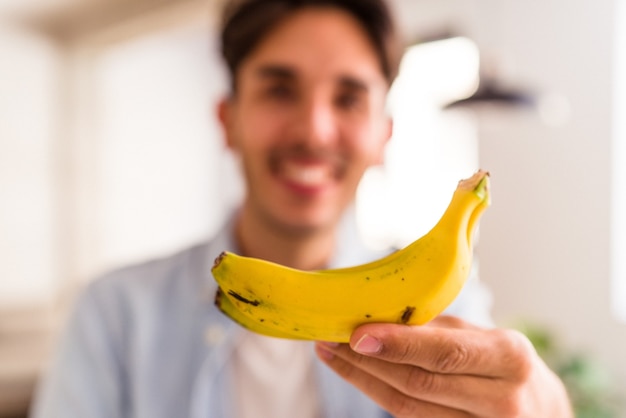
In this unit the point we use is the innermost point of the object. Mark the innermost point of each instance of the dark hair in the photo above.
(246, 22)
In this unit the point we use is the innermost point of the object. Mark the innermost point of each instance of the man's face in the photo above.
(308, 119)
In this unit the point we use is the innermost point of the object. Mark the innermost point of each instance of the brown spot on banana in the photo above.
(218, 298)
(407, 314)
(219, 259)
(242, 299)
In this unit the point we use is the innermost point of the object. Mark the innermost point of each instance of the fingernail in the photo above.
(324, 352)
(368, 345)
(329, 344)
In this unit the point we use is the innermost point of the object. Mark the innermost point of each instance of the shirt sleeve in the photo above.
(84, 377)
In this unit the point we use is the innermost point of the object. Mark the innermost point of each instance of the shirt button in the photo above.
(214, 335)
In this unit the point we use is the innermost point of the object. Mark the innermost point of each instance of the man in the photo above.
(306, 114)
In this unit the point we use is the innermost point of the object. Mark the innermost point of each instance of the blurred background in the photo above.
(110, 154)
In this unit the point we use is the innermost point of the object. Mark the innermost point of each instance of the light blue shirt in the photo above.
(147, 342)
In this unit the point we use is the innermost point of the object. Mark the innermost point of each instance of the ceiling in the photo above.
(70, 18)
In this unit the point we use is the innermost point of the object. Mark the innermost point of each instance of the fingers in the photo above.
(448, 350)
(448, 321)
(457, 392)
(396, 402)
(448, 368)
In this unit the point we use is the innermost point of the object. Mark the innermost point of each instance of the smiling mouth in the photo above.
(307, 175)
(307, 171)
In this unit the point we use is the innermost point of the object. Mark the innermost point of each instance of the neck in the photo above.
(305, 250)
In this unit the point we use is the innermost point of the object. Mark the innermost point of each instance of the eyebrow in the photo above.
(277, 71)
(353, 83)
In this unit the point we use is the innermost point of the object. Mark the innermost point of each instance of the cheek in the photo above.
(253, 135)
(368, 148)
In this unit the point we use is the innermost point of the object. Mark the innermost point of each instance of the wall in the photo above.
(545, 243)
(28, 90)
(556, 181)
(152, 180)
(29, 207)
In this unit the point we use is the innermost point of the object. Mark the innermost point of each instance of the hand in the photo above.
(448, 368)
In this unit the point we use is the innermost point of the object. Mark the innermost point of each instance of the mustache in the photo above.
(307, 153)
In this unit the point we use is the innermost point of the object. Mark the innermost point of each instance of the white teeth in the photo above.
(306, 175)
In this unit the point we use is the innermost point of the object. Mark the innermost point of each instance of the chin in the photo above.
(302, 223)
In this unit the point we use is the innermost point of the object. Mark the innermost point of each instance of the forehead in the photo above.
(318, 44)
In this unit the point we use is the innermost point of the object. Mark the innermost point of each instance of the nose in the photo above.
(317, 122)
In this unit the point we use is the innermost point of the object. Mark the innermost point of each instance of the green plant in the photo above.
(588, 383)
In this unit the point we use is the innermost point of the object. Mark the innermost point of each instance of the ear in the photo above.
(385, 136)
(225, 117)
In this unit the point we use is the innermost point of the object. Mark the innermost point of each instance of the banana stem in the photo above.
(470, 199)
(478, 183)
(482, 188)
(482, 191)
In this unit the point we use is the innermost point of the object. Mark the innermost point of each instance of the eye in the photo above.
(349, 100)
(279, 91)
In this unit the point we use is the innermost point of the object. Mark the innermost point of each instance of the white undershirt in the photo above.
(274, 378)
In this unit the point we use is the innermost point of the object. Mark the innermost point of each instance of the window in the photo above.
(29, 72)
(431, 150)
(148, 164)
(618, 192)
(160, 160)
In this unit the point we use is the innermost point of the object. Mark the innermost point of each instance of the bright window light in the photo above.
(618, 222)
(430, 151)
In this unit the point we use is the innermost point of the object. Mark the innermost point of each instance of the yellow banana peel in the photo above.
(409, 286)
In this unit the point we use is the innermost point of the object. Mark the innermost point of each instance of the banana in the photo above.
(226, 305)
(409, 286)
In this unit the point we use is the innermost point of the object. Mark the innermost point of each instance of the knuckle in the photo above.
(513, 405)
(404, 352)
(403, 406)
(519, 351)
(448, 361)
(450, 321)
(345, 370)
(420, 381)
